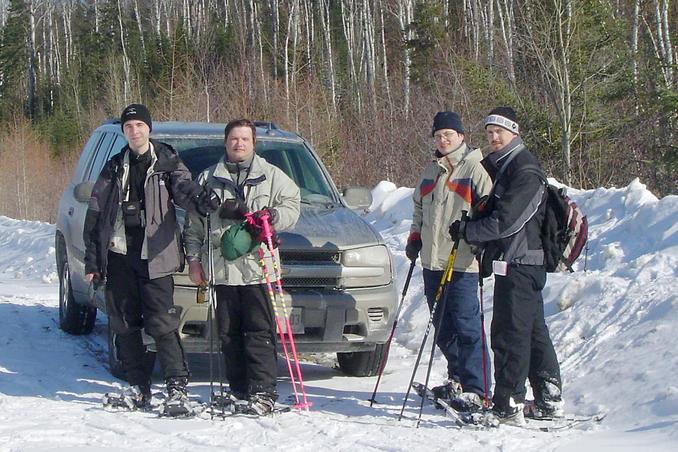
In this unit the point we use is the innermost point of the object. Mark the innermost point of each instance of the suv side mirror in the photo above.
(359, 198)
(83, 191)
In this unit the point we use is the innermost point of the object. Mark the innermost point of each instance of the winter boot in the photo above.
(467, 402)
(548, 401)
(544, 410)
(177, 403)
(260, 404)
(510, 413)
(448, 390)
(136, 397)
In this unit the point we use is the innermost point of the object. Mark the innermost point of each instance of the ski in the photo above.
(482, 421)
(567, 422)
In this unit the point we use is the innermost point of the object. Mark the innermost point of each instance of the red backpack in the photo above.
(565, 228)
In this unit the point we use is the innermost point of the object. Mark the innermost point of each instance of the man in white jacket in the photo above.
(451, 183)
(245, 183)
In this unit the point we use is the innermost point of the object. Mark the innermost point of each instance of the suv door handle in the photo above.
(70, 211)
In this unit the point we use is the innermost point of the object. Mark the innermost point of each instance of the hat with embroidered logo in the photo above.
(504, 117)
(138, 112)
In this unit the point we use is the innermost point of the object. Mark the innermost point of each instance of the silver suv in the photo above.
(336, 269)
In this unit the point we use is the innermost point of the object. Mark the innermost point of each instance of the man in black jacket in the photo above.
(132, 242)
(509, 230)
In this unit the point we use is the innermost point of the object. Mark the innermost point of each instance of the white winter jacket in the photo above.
(448, 185)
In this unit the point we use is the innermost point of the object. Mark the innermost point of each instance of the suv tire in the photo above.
(115, 365)
(362, 364)
(74, 317)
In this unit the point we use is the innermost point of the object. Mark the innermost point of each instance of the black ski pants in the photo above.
(134, 302)
(520, 339)
(247, 334)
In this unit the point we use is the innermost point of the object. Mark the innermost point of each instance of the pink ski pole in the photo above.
(271, 297)
(278, 283)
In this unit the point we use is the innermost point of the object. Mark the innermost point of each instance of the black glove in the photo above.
(208, 202)
(255, 226)
(458, 230)
(272, 215)
(413, 246)
(233, 209)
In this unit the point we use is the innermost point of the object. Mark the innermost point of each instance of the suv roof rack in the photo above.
(267, 124)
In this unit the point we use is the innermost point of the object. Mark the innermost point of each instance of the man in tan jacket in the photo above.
(451, 183)
(245, 183)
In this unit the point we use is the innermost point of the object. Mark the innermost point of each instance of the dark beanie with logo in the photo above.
(447, 120)
(138, 112)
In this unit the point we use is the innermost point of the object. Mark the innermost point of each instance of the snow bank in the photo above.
(613, 321)
(27, 250)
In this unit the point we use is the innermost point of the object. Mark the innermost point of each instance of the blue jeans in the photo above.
(458, 328)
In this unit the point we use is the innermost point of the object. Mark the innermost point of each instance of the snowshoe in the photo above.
(131, 398)
(259, 404)
(177, 403)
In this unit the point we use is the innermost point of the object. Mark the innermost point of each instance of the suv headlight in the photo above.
(364, 267)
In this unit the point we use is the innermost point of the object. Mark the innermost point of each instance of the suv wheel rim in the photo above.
(64, 292)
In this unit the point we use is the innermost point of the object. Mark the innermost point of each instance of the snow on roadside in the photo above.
(27, 250)
(613, 325)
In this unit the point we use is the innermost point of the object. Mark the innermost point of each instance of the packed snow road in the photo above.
(51, 385)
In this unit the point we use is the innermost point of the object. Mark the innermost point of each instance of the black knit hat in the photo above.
(503, 117)
(447, 120)
(136, 111)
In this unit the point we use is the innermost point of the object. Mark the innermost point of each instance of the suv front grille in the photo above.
(313, 257)
(310, 282)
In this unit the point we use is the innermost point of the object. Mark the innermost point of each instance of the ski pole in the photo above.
(209, 317)
(439, 293)
(268, 235)
(483, 338)
(210, 321)
(449, 272)
(272, 297)
(387, 346)
(278, 283)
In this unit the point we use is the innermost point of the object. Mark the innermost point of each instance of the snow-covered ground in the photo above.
(614, 328)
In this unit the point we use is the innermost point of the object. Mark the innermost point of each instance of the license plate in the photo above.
(296, 321)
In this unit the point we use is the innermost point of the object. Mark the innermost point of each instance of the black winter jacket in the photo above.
(170, 181)
(509, 229)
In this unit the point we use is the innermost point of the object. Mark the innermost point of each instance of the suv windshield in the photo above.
(293, 158)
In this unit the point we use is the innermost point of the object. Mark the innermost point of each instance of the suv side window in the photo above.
(101, 157)
(86, 157)
(119, 143)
